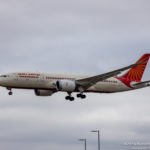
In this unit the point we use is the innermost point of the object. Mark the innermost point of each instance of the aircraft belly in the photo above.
(108, 88)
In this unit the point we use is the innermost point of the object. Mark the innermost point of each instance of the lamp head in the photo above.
(95, 131)
(82, 139)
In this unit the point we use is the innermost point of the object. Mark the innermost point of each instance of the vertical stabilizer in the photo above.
(136, 73)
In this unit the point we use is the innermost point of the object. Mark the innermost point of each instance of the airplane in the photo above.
(46, 84)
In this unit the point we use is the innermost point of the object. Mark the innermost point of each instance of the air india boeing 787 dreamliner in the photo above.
(46, 84)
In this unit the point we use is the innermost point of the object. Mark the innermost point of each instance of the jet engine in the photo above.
(43, 92)
(66, 85)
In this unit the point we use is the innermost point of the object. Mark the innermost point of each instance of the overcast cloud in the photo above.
(73, 36)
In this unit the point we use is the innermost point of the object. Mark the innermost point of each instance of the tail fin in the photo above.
(136, 73)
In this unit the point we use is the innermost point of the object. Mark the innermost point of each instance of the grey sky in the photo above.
(83, 37)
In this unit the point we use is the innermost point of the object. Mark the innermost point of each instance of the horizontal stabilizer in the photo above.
(145, 83)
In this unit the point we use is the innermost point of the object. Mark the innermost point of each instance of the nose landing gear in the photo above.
(10, 91)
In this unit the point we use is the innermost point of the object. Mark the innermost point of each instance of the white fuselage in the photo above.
(48, 81)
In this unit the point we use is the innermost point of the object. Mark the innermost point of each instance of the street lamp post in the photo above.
(84, 140)
(98, 132)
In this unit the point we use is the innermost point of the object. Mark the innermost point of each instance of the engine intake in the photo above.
(66, 85)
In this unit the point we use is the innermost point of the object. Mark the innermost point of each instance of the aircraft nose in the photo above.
(1, 81)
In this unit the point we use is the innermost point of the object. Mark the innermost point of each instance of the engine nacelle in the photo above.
(43, 92)
(66, 85)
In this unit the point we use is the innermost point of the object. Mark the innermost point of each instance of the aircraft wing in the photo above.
(84, 84)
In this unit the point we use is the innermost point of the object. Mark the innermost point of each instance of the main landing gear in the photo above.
(81, 96)
(69, 97)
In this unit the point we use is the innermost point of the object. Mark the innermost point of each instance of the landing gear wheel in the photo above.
(81, 96)
(71, 98)
(78, 95)
(10, 93)
(67, 97)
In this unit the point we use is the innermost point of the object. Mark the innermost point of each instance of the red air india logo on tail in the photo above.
(136, 73)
